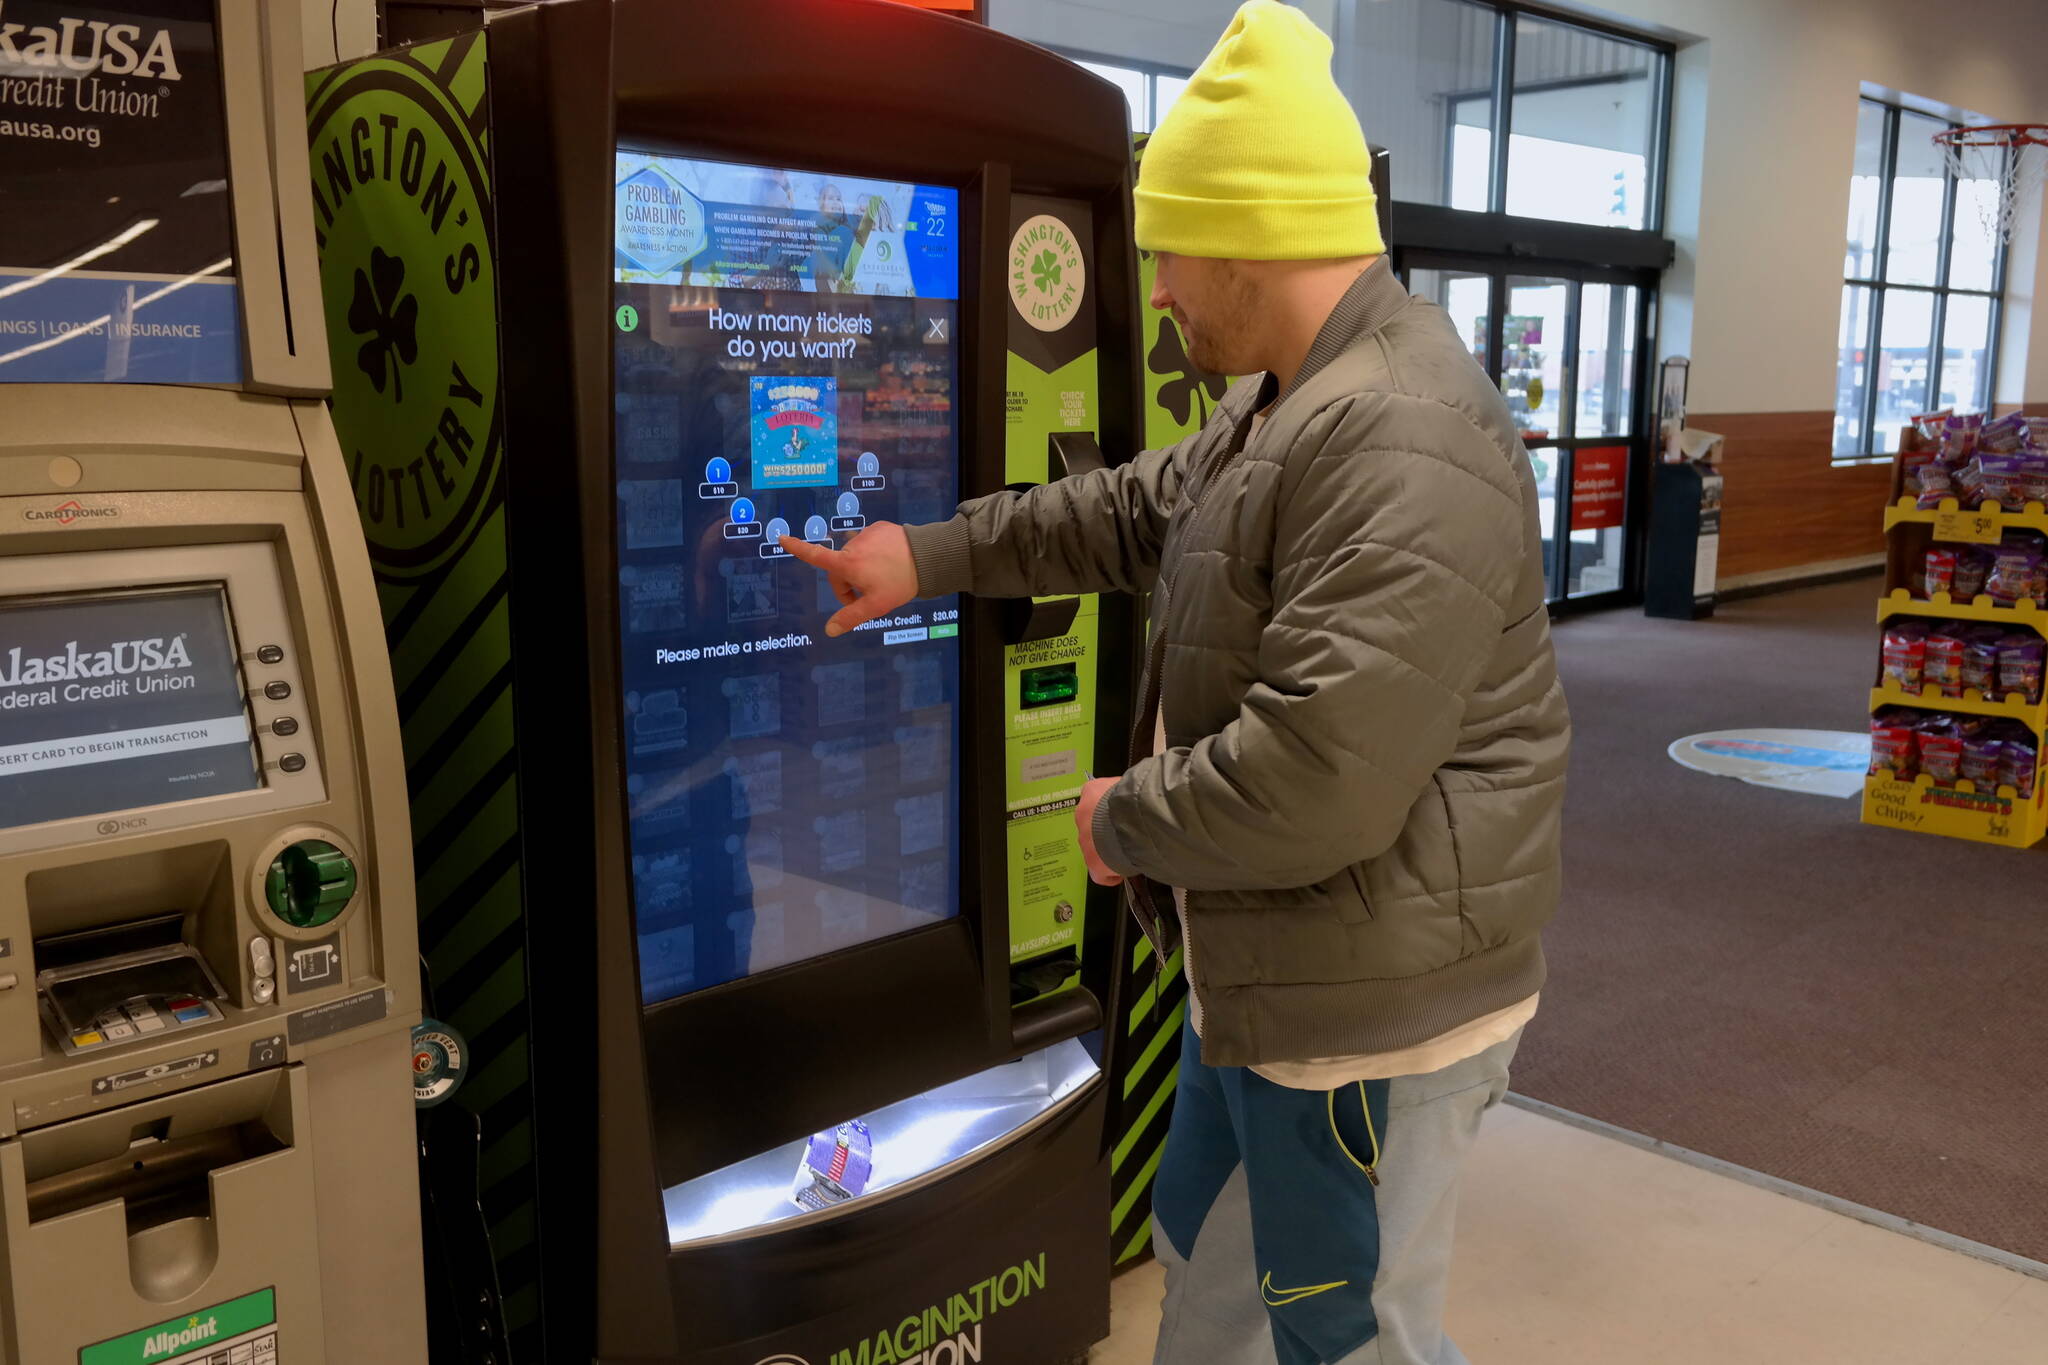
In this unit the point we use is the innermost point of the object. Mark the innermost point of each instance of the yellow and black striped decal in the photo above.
(402, 205)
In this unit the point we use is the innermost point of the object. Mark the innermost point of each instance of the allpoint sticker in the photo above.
(193, 1338)
(1048, 278)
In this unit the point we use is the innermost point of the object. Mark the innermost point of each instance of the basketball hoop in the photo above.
(2011, 156)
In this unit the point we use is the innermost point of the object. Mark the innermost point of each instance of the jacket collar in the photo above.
(1373, 298)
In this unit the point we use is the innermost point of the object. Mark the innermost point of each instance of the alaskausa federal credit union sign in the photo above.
(116, 248)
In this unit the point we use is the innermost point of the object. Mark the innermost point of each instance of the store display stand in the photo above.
(1959, 811)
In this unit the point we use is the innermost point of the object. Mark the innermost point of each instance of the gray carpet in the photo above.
(1756, 975)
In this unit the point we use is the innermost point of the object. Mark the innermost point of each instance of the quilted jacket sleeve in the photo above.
(1395, 556)
(1095, 532)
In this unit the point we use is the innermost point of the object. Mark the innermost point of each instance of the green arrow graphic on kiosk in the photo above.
(310, 883)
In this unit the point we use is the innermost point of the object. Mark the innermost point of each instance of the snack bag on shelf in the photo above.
(1905, 654)
(2019, 571)
(1970, 490)
(1959, 436)
(1942, 664)
(1929, 424)
(1983, 752)
(2021, 656)
(2003, 435)
(1931, 484)
(2033, 480)
(1939, 572)
(1894, 746)
(2003, 479)
(1973, 566)
(2037, 433)
(2018, 758)
(1980, 661)
(1941, 749)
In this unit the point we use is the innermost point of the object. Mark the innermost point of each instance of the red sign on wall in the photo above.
(1599, 487)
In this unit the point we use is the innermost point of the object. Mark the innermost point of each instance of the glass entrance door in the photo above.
(1565, 347)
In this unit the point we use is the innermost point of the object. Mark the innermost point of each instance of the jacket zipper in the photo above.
(1154, 698)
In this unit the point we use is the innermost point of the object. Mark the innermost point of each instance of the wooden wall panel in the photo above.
(1785, 505)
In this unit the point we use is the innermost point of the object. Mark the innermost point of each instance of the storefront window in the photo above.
(1584, 119)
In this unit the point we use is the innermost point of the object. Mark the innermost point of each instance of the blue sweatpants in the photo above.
(1304, 1227)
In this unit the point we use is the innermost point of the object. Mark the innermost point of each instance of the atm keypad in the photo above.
(140, 1018)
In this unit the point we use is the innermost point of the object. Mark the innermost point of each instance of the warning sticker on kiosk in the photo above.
(786, 361)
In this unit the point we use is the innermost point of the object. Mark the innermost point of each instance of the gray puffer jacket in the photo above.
(1366, 736)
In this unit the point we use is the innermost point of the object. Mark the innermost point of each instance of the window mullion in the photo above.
(1888, 170)
(1872, 349)
(1935, 350)
(1503, 109)
(1945, 243)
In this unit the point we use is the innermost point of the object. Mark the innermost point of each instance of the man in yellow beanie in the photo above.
(1357, 739)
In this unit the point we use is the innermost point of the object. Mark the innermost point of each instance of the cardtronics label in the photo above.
(232, 1333)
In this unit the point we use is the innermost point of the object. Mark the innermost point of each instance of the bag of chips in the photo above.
(1938, 572)
(2003, 435)
(1942, 664)
(2019, 570)
(2021, 656)
(1933, 484)
(1973, 566)
(1959, 436)
(1894, 745)
(2003, 479)
(2018, 759)
(1905, 655)
(1982, 754)
(1941, 749)
(1980, 661)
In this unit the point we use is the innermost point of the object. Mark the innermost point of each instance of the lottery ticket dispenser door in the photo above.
(207, 960)
(762, 265)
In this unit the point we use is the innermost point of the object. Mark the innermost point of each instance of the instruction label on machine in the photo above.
(1051, 740)
(239, 1332)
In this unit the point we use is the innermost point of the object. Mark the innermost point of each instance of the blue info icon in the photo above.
(816, 531)
(742, 526)
(867, 473)
(718, 481)
(848, 516)
(771, 546)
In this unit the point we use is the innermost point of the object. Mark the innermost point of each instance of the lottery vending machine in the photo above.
(207, 961)
(819, 984)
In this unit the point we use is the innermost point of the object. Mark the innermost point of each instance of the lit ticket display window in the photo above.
(119, 700)
(786, 364)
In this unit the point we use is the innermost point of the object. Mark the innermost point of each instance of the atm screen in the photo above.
(786, 363)
(113, 701)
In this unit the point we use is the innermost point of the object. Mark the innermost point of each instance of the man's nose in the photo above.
(1162, 297)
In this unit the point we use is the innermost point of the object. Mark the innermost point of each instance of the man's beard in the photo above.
(1221, 344)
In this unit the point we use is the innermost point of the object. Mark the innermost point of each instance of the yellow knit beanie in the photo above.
(1261, 158)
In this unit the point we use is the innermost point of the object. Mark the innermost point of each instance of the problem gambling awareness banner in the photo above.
(116, 251)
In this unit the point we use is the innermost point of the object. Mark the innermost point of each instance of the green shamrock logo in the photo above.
(1045, 271)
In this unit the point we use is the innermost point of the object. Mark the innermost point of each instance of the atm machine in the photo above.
(207, 944)
(818, 985)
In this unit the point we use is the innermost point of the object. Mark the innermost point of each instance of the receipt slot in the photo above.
(207, 937)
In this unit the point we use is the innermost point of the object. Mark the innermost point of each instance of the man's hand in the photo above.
(872, 576)
(1099, 872)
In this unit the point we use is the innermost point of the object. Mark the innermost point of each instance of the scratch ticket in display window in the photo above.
(660, 722)
(921, 823)
(654, 597)
(652, 513)
(842, 840)
(923, 680)
(842, 693)
(923, 886)
(756, 783)
(756, 861)
(749, 593)
(756, 705)
(842, 767)
(921, 752)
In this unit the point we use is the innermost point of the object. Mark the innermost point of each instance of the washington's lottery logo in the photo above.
(402, 211)
(1048, 278)
(660, 223)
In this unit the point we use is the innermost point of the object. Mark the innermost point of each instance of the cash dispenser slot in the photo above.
(206, 1192)
(123, 948)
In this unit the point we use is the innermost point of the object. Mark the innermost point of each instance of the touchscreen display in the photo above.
(786, 363)
(117, 701)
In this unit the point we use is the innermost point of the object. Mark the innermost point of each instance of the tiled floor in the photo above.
(1574, 1249)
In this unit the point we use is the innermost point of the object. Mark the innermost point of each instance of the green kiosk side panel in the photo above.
(1050, 698)
(403, 211)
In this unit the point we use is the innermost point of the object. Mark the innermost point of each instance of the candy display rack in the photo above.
(1958, 811)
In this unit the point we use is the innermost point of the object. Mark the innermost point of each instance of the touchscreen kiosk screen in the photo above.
(786, 362)
(110, 702)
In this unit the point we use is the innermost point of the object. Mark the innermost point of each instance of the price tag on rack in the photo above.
(1971, 528)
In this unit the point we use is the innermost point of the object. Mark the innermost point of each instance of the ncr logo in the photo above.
(66, 513)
